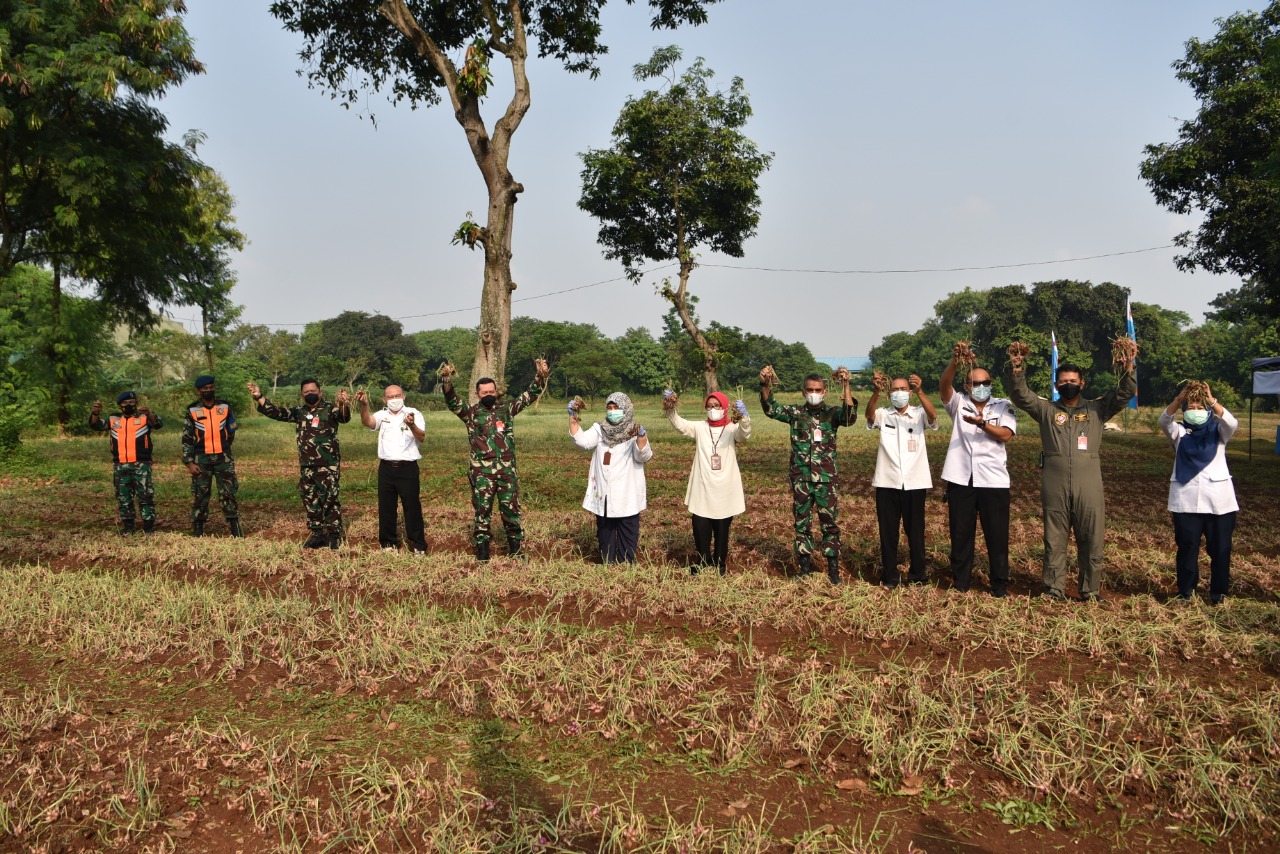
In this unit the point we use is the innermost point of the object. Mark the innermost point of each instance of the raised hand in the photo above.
(741, 407)
(541, 369)
(880, 382)
(362, 397)
(343, 397)
(1018, 352)
(254, 391)
(914, 382)
(96, 409)
(669, 400)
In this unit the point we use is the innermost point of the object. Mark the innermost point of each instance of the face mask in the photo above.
(1069, 391)
(206, 395)
(129, 408)
(715, 414)
(395, 404)
(1196, 417)
(899, 399)
(615, 416)
(981, 393)
(488, 401)
(311, 399)
(815, 398)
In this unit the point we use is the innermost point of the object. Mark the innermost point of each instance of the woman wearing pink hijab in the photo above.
(714, 495)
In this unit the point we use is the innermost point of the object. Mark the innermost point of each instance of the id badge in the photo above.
(500, 425)
(315, 422)
(911, 446)
(817, 434)
(1082, 442)
(607, 456)
(715, 462)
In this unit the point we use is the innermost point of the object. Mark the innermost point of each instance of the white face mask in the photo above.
(899, 399)
(816, 398)
(715, 414)
(395, 404)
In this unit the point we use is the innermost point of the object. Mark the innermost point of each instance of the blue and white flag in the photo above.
(1053, 369)
(1133, 336)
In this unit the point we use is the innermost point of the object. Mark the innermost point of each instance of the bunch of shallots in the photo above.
(963, 354)
(1123, 350)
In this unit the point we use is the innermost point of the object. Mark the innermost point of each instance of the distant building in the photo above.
(123, 335)
(853, 363)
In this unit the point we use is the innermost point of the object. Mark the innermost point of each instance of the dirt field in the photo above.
(172, 693)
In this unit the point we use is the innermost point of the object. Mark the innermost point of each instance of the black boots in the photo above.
(197, 529)
(805, 562)
(317, 540)
(234, 525)
(482, 552)
(833, 570)
(126, 527)
(335, 541)
(148, 525)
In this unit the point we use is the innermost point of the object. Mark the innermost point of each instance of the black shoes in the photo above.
(126, 527)
(236, 530)
(482, 552)
(148, 526)
(197, 529)
(833, 570)
(317, 540)
(335, 541)
(805, 562)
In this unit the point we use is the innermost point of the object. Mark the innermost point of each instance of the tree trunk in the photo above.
(679, 298)
(62, 382)
(491, 156)
(204, 336)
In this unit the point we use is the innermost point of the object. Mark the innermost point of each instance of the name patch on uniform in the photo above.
(1081, 416)
(1060, 418)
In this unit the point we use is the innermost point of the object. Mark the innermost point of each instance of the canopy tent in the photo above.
(1264, 378)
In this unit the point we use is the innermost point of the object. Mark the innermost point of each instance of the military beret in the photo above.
(126, 395)
(203, 380)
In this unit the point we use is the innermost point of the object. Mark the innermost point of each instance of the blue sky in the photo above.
(909, 135)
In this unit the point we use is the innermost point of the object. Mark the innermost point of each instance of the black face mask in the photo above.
(1069, 391)
(488, 401)
(206, 395)
(311, 399)
(129, 408)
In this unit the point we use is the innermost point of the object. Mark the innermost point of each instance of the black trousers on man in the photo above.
(967, 503)
(903, 507)
(398, 484)
(1216, 529)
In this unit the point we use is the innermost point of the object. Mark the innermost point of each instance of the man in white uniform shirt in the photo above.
(399, 429)
(976, 473)
(902, 478)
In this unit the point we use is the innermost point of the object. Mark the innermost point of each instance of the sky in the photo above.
(907, 136)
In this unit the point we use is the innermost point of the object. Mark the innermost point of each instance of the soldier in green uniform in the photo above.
(131, 456)
(491, 434)
(319, 457)
(207, 434)
(813, 464)
(1070, 472)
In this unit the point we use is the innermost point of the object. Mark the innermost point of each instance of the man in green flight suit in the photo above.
(319, 457)
(813, 464)
(491, 435)
(1071, 474)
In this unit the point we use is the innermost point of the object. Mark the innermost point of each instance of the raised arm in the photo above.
(926, 404)
(1115, 400)
(366, 417)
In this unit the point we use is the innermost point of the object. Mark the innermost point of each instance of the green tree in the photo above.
(680, 176)
(454, 345)
(648, 367)
(358, 346)
(546, 339)
(593, 368)
(266, 352)
(405, 46)
(1224, 163)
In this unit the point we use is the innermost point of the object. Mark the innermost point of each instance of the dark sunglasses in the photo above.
(981, 382)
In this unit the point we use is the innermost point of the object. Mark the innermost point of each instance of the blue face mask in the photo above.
(615, 416)
(899, 399)
(1195, 417)
(981, 393)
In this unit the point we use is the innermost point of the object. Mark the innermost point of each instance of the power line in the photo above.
(884, 272)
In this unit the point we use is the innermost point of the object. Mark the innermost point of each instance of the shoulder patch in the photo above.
(1059, 418)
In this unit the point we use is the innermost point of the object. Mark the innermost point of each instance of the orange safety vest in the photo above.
(210, 423)
(128, 435)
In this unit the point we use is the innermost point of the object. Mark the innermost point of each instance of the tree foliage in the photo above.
(410, 49)
(358, 347)
(680, 176)
(1226, 162)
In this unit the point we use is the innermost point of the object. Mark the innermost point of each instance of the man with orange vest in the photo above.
(207, 434)
(131, 455)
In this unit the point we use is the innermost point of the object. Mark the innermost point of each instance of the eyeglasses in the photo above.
(986, 383)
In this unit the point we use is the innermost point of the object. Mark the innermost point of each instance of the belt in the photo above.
(398, 462)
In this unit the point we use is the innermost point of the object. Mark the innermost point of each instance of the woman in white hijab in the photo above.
(616, 490)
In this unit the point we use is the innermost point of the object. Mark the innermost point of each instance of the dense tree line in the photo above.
(1085, 318)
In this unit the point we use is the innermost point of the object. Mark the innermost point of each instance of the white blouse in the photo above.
(617, 489)
(714, 493)
(1210, 491)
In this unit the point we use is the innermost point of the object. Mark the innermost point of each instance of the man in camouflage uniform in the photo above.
(319, 458)
(813, 465)
(131, 456)
(491, 434)
(207, 434)
(1070, 470)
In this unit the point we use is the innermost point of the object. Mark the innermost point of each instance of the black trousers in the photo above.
(398, 484)
(903, 507)
(1188, 528)
(967, 503)
(619, 537)
(704, 530)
